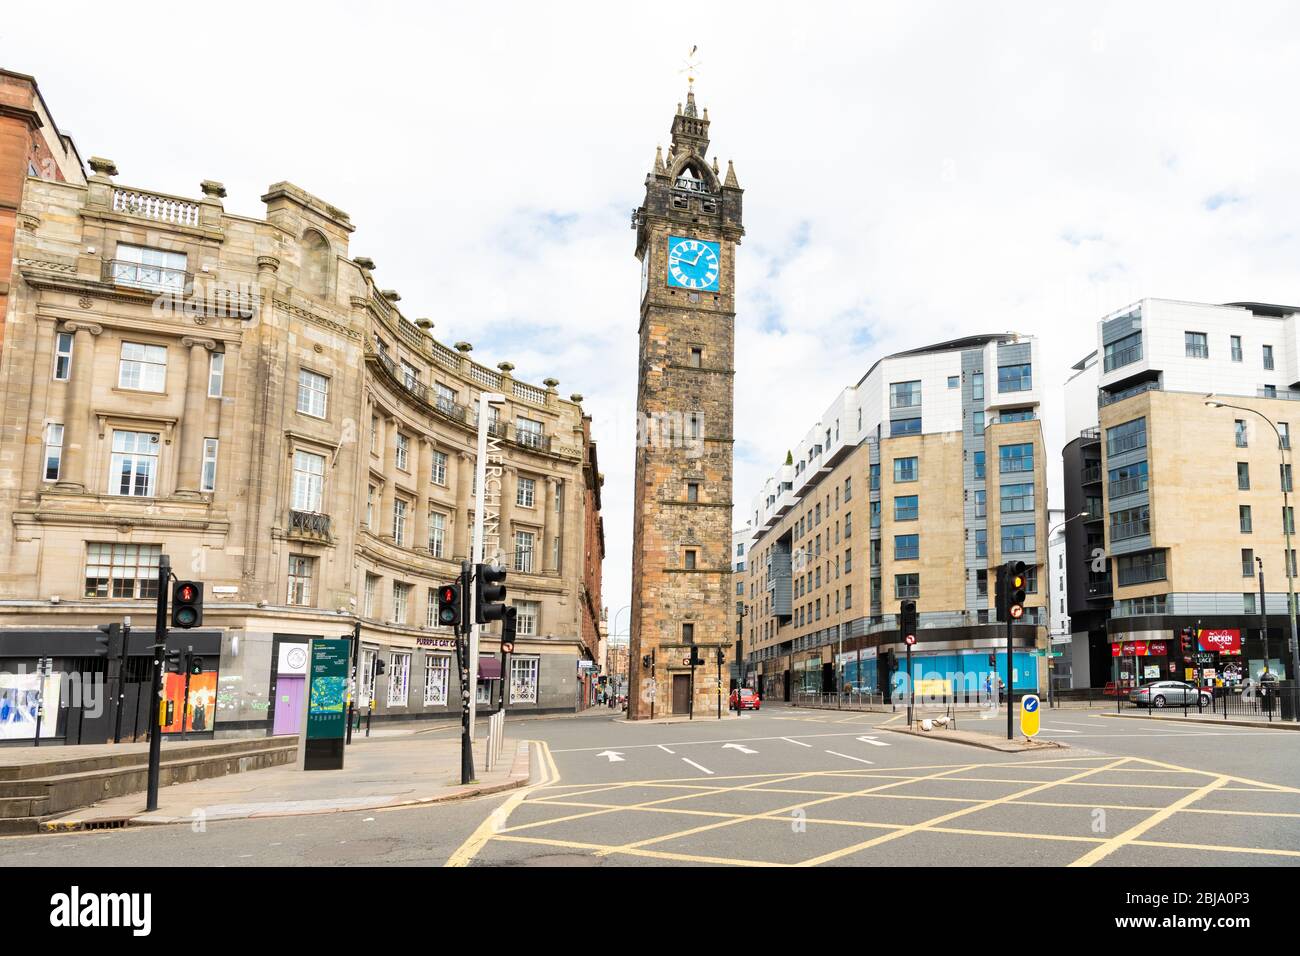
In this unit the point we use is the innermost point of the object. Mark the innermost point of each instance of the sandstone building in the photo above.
(239, 394)
(687, 230)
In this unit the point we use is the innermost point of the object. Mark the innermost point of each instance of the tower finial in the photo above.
(691, 66)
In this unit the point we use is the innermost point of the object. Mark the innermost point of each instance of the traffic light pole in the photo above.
(185, 701)
(353, 686)
(1011, 679)
(121, 673)
(159, 647)
(464, 659)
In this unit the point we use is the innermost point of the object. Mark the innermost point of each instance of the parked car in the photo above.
(1162, 693)
(744, 699)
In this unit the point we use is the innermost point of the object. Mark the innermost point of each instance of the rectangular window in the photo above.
(1130, 523)
(1018, 539)
(907, 586)
(981, 542)
(308, 481)
(523, 679)
(524, 551)
(372, 589)
(904, 394)
(437, 675)
(53, 451)
(439, 471)
(208, 480)
(401, 601)
(907, 547)
(399, 677)
(1123, 351)
(1247, 562)
(313, 393)
(1284, 431)
(1235, 342)
(1141, 568)
(300, 575)
(133, 468)
(1197, 344)
(143, 368)
(1126, 437)
(437, 534)
(1019, 497)
(528, 432)
(527, 618)
(1288, 520)
(62, 356)
(1248, 603)
(697, 357)
(978, 465)
(954, 381)
(1243, 476)
(689, 560)
(1268, 356)
(1015, 378)
(692, 491)
(981, 503)
(525, 492)
(148, 268)
(875, 514)
(1286, 476)
(1243, 518)
(400, 508)
(1242, 435)
(977, 423)
(216, 374)
(402, 452)
(371, 491)
(410, 376)
(905, 426)
(1015, 458)
(122, 570)
(905, 469)
(1017, 415)
(905, 508)
(977, 386)
(848, 489)
(874, 475)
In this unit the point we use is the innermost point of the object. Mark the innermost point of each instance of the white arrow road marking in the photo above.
(741, 747)
(698, 767)
(613, 755)
(665, 749)
(873, 741)
(791, 740)
(847, 757)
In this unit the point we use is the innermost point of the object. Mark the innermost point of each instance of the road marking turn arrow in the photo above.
(873, 741)
(741, 747)
(613, 755)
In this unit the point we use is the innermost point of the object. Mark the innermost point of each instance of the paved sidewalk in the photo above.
(407, 771)
(1176, 716)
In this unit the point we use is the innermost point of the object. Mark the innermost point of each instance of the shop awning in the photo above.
(489, 668)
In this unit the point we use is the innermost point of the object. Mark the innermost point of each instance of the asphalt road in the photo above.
(799, 787)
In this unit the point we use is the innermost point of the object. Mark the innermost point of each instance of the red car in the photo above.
(744, 699)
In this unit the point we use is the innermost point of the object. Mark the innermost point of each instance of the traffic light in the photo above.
(489, 593)
(449, 605)
(907, 619)
(110, 640)
(379, 666)
(196, 665)
(1012, 582)
(722, 657)
(187, 604)
(645, 660)
(174, 661)
(1000, 594)
(508, 623)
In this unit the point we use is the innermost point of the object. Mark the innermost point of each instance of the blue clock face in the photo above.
(692, 264)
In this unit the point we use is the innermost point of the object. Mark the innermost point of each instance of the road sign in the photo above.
(909, 640)
(1029, 715)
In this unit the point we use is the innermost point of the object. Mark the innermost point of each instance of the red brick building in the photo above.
(30, 145)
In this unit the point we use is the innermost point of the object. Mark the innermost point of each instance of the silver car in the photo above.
(1164, 692)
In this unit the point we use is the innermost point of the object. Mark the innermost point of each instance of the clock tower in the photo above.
(687, 231)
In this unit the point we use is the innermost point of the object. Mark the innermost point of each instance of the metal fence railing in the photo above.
(855, 700)
(1264, 701)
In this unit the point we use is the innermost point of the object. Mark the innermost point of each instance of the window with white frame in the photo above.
(372, 586)
(149, 268)
(439, 470)
(524, 551)
(525, 492)
(526, 618)
(400, 508)
(208, 481)
(133, 468)
(143, 368)
(53, 451)
(437, 534)
(410, 376)
(437, 675)
(313, 393)
(401, 600)
(62, 356)
(523, 680)
(402, 453)
(300, 574)
(399, 679)
(431, 607)
(308, 481)
(122, 570)
(216, 374)
(366, 676)
(529, 432)
(370, 507)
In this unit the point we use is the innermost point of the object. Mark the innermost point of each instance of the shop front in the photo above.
(1135, 662)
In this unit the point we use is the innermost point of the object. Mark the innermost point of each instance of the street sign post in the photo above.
(1029, 715)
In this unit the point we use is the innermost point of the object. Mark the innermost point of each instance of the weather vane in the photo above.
(691, 66)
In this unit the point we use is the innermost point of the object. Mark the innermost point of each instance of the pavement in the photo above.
(401, 769)
(791, 786)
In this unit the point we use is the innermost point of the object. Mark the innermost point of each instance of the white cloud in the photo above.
(913, 171)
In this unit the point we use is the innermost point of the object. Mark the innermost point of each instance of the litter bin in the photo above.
(1287, 691)
(1267, 696)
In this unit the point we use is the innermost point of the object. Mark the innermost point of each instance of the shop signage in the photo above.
(1140, 649)
(1223, 640)
(442, 643)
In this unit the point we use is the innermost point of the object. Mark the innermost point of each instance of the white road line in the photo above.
(847, 757)
(665, 749)
(698, 767)
(873, 741)
(696, 743)
(792, 741)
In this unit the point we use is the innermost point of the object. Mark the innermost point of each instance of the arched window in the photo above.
(316, 262)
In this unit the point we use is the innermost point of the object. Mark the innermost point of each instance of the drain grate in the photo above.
(116, 824)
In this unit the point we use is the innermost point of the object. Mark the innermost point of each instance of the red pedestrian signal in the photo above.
(448, 605)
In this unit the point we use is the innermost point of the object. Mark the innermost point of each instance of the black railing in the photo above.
(309, 524)
(1123, 357)
(529, 438)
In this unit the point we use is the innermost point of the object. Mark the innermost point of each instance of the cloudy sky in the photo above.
(913, 171)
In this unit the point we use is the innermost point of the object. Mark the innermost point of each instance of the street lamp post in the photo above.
(1050, 658)
(1282, 448)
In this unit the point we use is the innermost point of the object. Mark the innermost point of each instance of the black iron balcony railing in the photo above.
(529, 438)
(1091, 475)
(309, 524)
(451, 408)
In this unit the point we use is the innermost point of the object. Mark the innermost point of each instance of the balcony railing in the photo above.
(1127, 486)
(1123, 357)
(1123, 530)
(1092, 475)
(140, 276)
(1122, 443)
(1110, 398)
(451, 408)
(309, 524)
(1198, 351)
(529, 438)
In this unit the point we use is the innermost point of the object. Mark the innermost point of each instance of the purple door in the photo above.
(288, 703)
